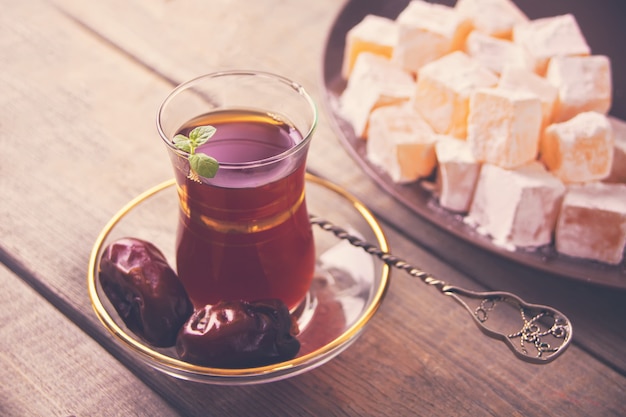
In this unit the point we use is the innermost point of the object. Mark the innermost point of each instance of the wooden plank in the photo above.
(74, 132)
(48, 366)
(182, 39)
(88, 107)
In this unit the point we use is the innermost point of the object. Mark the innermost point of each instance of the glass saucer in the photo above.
(347, 290)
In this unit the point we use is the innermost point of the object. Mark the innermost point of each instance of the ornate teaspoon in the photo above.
(544, 334)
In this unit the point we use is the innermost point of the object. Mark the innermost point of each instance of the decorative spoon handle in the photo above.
(544, 333)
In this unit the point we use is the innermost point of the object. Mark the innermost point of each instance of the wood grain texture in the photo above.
(80, 84)
(49, 368)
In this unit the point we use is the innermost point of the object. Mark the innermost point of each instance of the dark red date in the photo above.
(239, 334)
(144, 290)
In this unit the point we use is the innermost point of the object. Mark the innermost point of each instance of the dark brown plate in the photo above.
(603, 29)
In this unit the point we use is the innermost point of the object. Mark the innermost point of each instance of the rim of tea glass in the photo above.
(297, 88)
(231, 376)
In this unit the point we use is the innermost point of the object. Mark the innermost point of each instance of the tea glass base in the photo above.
(347, 289)
(304, 312)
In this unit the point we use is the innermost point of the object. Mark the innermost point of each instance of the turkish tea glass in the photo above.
(244, 234)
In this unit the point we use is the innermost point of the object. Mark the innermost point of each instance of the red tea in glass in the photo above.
(245, 234)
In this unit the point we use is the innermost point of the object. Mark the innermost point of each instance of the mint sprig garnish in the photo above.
(200, 163)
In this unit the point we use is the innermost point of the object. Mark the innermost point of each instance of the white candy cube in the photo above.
(503, 126)
(427, 31)
(496, 54)
(401, 143)
(549, 37)
(457, 173)
(580, 149)
(374, 34)
(443, 90)
(519, 206)
(584, 84)
(374, 82)
(492, 17)
(515, 78)
(592, 223)
(618, 167)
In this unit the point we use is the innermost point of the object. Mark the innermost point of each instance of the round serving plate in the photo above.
(348, 287)
(601, 27)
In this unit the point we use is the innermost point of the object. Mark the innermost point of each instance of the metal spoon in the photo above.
(544, 333)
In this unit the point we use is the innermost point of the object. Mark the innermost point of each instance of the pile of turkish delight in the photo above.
(509, 114)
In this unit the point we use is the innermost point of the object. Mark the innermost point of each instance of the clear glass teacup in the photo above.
(243, 234)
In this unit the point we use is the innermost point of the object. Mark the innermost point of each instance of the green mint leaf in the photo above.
(203, 165)
(183, 143)
(201, 134)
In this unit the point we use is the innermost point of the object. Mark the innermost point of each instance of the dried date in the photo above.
(144, 290)
(239, 334)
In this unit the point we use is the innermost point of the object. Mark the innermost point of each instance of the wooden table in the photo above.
(80, 83)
